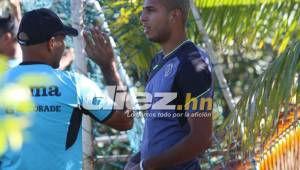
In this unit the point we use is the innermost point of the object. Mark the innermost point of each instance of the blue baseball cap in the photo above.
(40, 25)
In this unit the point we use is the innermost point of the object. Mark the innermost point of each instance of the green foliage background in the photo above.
(248, 37)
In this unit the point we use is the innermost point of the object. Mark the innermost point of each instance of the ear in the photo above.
(51, 44)
(174, 15)
(7, 36)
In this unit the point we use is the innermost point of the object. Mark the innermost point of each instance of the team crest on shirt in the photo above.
(169, 69)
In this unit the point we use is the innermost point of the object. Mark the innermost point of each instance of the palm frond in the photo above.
(252, 23)
(259, 109)
(209, 3)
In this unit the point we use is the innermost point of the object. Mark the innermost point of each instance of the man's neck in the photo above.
(35, 59)
(3, 54)
(172, 43)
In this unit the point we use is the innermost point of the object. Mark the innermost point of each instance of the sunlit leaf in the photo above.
(16, 97)
(3, 64)
(2, 138)
(14, 127)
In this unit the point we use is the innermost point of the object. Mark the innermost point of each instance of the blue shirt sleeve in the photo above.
(92, 99)
(193, 78)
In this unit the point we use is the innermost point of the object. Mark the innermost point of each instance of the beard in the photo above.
(162, 35)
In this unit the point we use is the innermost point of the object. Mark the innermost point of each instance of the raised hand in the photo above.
(16, 9)
(99, 48)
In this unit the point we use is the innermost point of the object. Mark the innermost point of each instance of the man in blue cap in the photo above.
(54, 136)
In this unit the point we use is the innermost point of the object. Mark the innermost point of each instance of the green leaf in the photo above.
(16, 97)
(3, 141)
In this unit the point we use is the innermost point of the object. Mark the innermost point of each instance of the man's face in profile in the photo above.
(155, 19)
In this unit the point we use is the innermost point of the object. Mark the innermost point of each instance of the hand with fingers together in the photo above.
(99, 48)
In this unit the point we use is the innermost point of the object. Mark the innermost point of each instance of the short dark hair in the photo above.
(182, 5)
(8, 24)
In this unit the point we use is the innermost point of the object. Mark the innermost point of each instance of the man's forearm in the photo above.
(183, 151)
(111, 75)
